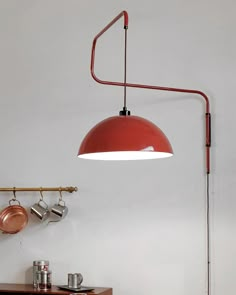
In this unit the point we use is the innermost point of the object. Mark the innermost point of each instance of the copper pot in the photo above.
(13, 218)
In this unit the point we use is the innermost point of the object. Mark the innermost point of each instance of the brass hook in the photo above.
(60, 198)
(41, 198)
(14, 193)
(41, 193)
(14, 198)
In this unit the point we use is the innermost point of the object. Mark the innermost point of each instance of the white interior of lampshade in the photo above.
(125, 155)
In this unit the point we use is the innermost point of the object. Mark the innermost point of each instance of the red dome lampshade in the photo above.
(125, 138)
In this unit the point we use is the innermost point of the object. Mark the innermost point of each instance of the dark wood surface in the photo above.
(28, 289)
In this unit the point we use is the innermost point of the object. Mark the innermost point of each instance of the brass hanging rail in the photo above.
(69, 189)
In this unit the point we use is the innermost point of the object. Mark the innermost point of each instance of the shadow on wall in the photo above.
(29, 275)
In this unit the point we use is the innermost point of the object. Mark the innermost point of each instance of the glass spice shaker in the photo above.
(44, 279)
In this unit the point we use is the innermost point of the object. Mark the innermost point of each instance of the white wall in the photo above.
(137, 227)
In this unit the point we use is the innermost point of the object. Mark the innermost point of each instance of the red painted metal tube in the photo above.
(182, 90)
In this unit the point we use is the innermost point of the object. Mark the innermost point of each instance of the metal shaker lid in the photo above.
(41, 262)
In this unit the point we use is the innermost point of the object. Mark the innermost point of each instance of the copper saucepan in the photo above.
(13, 218)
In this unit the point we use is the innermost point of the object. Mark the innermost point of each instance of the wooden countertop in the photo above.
(28, 288)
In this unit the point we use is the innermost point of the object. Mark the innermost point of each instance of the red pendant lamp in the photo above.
(123, 137)
(127, 137)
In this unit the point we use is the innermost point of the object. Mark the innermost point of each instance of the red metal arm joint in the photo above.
(182, 90)
(126, 19)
